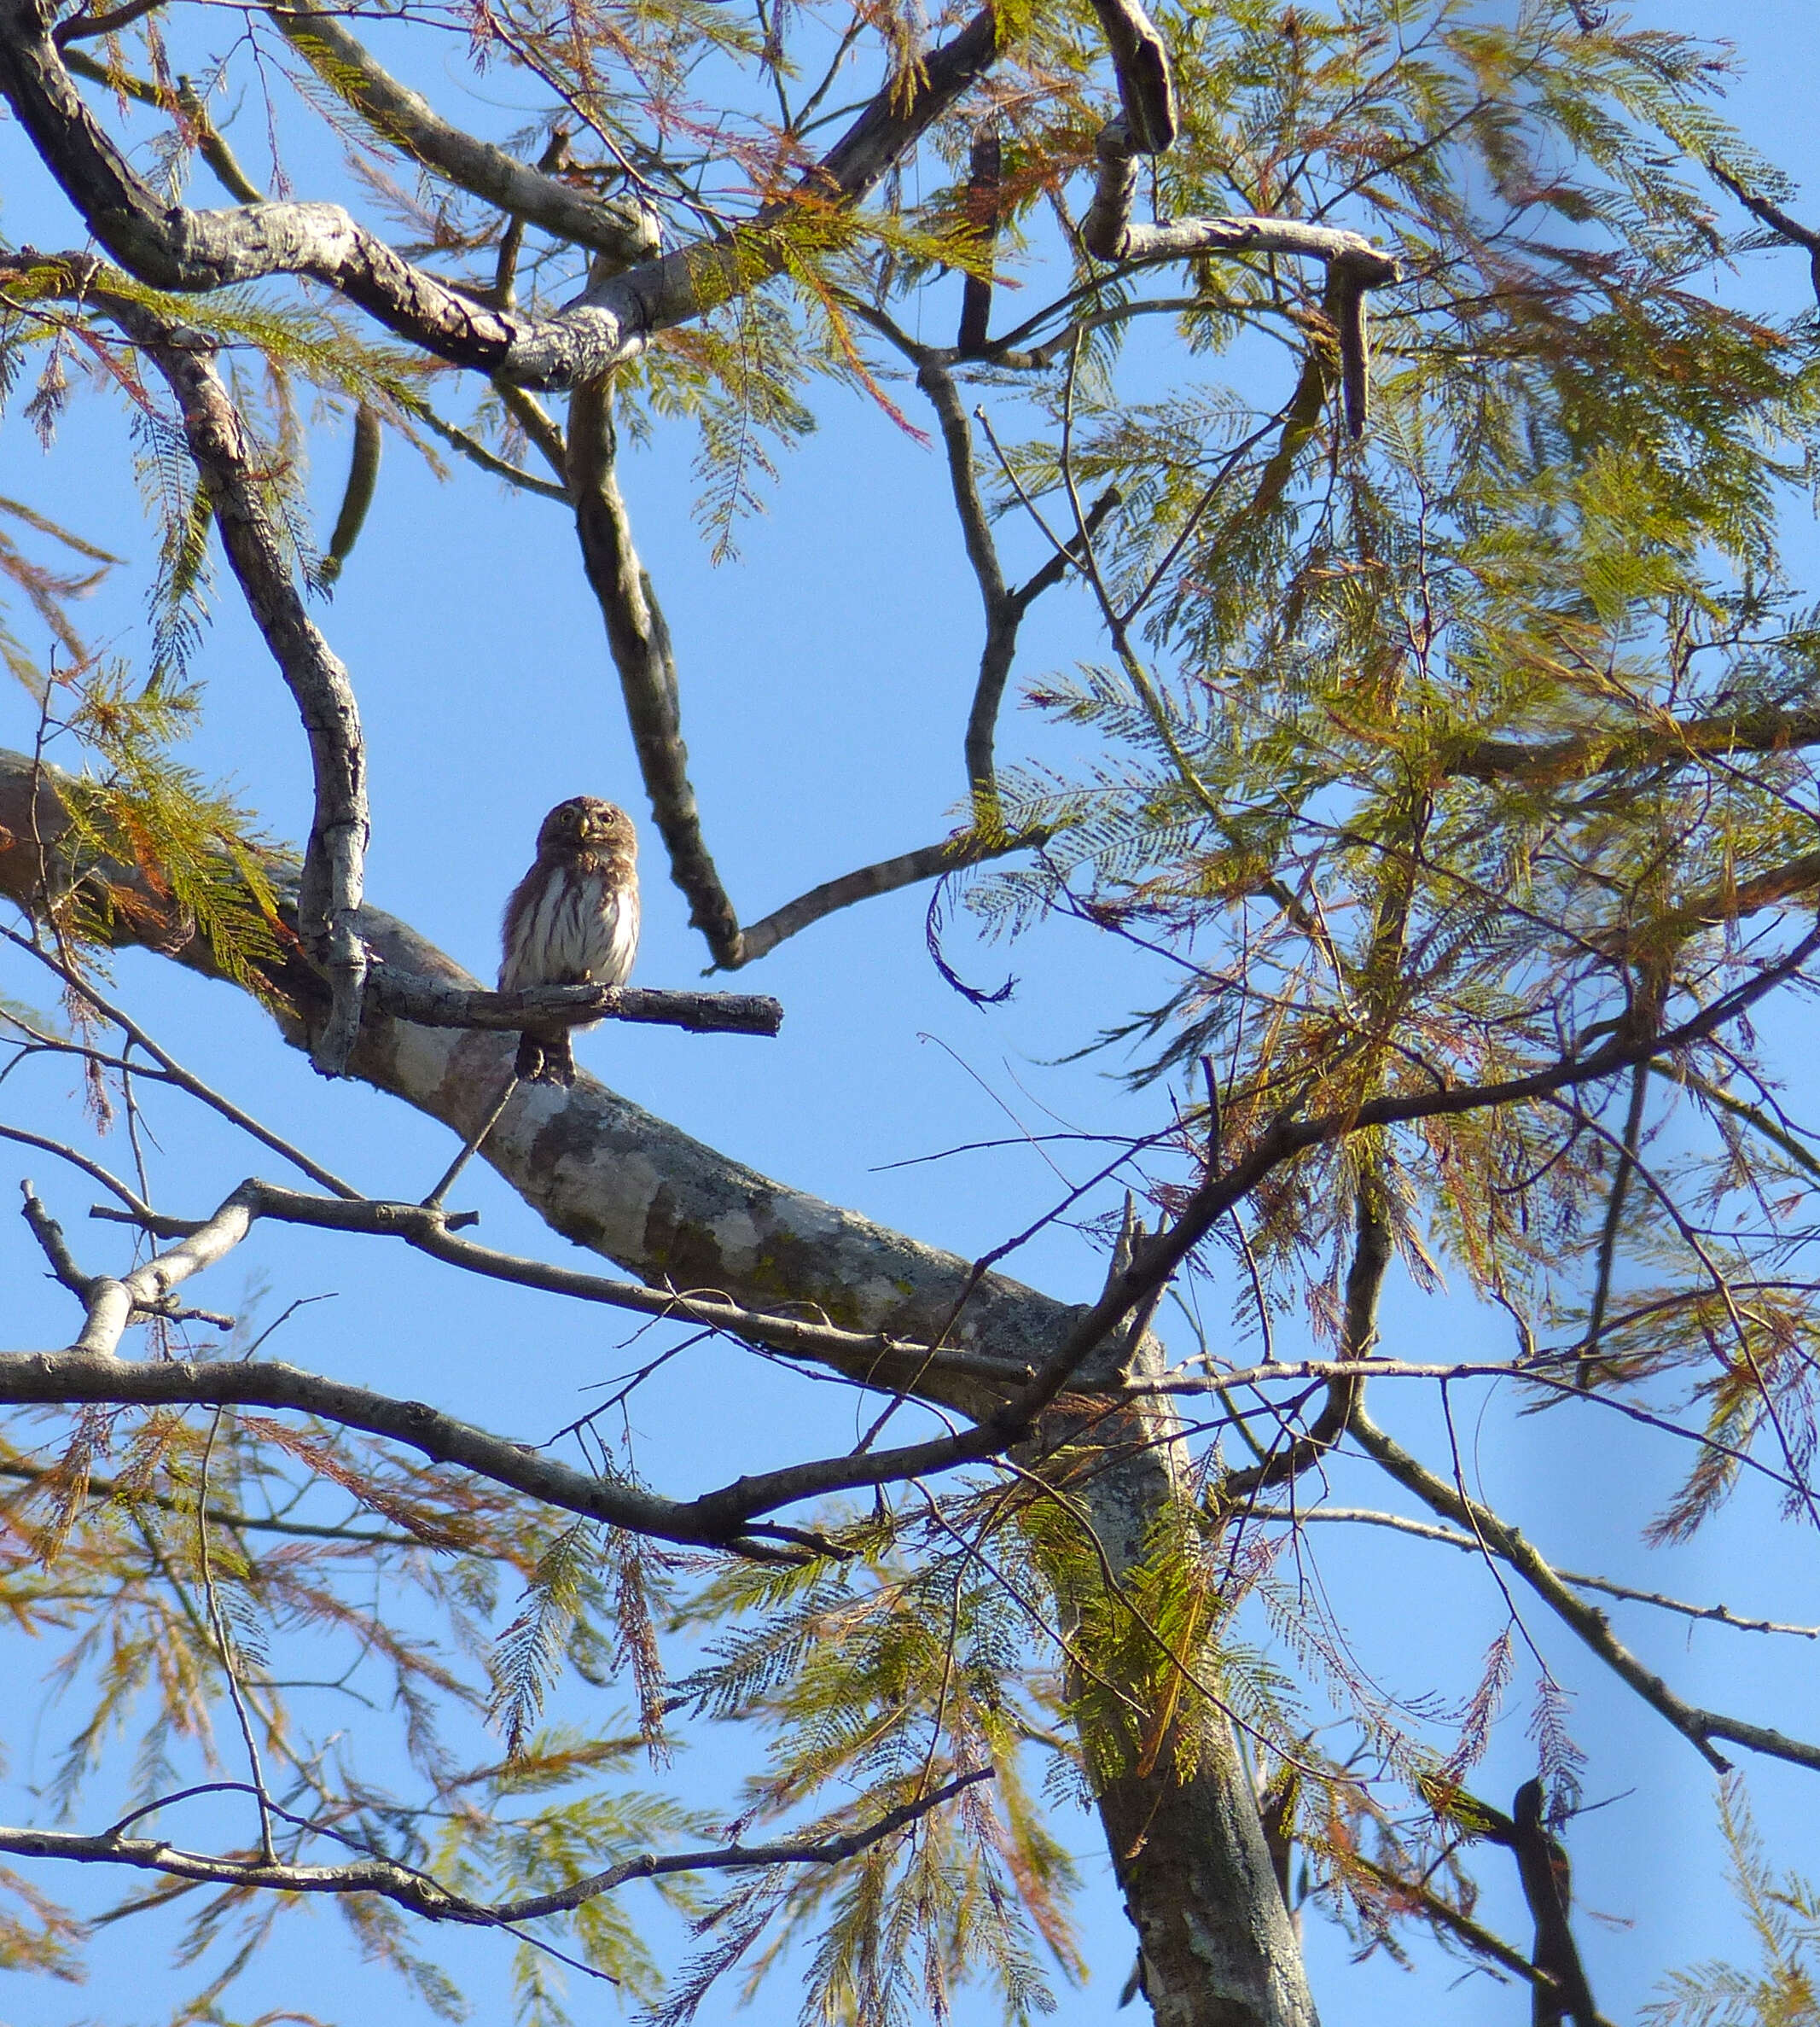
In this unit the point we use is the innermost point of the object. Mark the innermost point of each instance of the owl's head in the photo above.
(586, 823)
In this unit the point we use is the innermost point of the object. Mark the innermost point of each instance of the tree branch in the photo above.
(640, 644)
(431, 1003)
(1354, 265)
(873, 1360)
(423, 1896)
(172, 246)
(1700, 1727)
(1372, 1252)
(1425, 1530)
(1658, 740)
(329, 893)
(210, 144)
(611, 1176)
(624, 229)
(965, 848)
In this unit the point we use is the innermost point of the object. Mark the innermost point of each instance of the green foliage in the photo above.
(1783, 1991)
(888, 1674)
(196, 864)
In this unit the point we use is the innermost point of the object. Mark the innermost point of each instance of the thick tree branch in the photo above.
(171, 247)
(1700, 1727)
(614, 1177)
(622, 228)
(330, 894)
(1146, 91)
(873, 1360)
(640, 644)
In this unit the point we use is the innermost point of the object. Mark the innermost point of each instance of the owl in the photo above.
(573, 920)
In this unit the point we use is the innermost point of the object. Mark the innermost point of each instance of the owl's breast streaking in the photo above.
(566, 926)
(572, 920)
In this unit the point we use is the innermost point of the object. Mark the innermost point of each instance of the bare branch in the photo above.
(476, 452)
(1697, 1725)
(49, 1234)
(640, 644)
(1110, 233)
(329, 895)
(1425, 1530)
(82, 1374)
(109, 22)
(886, 877)
(422, 1894)
(431, 1003)
(875, 1360)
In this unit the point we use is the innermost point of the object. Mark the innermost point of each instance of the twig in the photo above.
(433, 1200)
(424, 1896)
(1427, 1531)
(222, 1644)
(476, 452)
(886, 877)
(1700, 1727)
(113, 1489)
(1372, 1257)
(185, 1080)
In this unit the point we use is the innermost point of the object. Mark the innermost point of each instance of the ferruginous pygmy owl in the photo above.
(573, 920)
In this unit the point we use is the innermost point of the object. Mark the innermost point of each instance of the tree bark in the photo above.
(1218, 1949)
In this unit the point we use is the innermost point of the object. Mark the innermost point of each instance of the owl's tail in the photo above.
(545, 1058)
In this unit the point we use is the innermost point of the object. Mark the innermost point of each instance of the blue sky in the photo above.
(826, 676)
